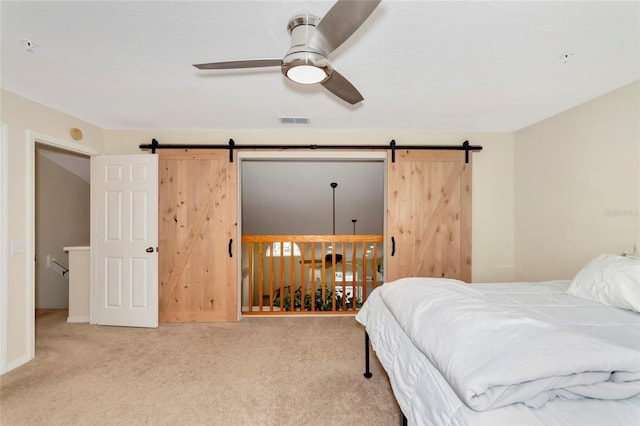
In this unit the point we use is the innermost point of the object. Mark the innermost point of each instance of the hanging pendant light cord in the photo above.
(334, 185)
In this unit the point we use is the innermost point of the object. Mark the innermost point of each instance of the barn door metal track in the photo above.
(465, 146)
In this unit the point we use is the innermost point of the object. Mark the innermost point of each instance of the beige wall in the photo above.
(492, 225)
(62, 220)
(25, 118)
(79, 280)
(577, 189)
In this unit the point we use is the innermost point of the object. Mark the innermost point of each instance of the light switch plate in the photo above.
(17, 247)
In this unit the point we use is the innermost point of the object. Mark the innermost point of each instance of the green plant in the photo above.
(318, 303)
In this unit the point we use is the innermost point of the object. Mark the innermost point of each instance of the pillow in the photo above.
(610, 279)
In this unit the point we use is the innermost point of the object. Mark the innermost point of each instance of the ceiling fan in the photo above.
(328, 260)
(312, 40)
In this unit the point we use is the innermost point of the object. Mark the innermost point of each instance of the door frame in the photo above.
(4, 243)
(301, 156)
(34, 138)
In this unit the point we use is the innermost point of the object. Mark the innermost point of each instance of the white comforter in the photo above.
(496, 355)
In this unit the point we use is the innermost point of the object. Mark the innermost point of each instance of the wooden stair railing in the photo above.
(309, 274)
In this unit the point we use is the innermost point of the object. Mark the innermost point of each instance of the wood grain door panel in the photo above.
(429, 215)
(197, 222)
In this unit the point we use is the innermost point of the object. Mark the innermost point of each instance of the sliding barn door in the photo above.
(428, 215)
(197, 227)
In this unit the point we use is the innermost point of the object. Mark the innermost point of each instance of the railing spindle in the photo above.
(354, 270)
(250, 276)
(323, 274)
(292, 285)
(313, 277)
(375, 270)
(281, 287)
(364, 266)
(271, 278)
(302, 280)
(260, 276)
(344, 276)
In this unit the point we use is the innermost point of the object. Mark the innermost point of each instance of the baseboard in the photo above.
(77, 319)
(17, 363)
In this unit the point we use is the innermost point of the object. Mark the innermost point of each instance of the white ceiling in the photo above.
(427, 65)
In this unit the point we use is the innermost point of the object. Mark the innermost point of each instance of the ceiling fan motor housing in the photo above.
(302, 63)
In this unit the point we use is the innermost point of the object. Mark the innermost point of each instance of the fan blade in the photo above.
(250, 63)
(318, 263)
(340, 86)
(328, 260)
(342, 20)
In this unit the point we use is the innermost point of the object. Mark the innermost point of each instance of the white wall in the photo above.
(25, 120)
(577, 186)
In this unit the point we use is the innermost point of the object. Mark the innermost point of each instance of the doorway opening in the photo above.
(51, 142)
(62, 210)
(294, 197)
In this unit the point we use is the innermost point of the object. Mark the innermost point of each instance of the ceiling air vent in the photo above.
(294, 120)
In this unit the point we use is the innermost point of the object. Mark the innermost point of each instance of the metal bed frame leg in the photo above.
(367, 371)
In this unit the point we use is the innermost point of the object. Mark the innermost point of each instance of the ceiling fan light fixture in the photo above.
(306, 67)
(307, 74)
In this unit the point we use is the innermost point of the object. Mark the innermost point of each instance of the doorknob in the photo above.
(149, 250)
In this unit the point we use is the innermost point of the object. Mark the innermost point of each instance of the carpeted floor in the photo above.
(259, 371)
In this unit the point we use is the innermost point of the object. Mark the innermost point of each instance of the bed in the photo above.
(545, 353)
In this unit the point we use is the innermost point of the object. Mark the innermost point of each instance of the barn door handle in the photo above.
(230, 245)
(393, 246)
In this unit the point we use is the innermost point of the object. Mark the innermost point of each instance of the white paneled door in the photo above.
(125, 232)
